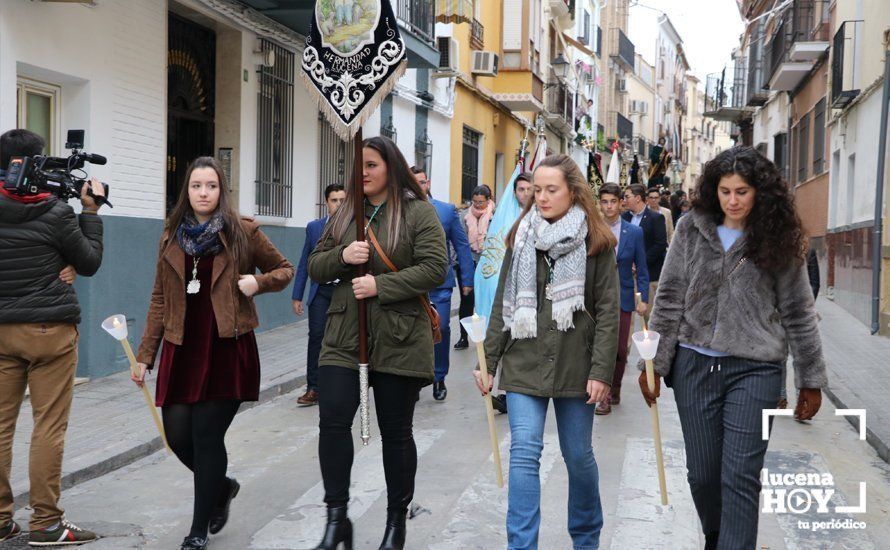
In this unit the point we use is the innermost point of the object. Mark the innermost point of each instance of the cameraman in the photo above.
(39, 313)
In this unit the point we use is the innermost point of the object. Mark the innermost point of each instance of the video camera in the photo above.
(41, 174)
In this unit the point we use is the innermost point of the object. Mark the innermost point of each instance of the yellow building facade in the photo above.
(485, 134)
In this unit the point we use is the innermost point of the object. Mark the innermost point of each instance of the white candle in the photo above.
(646, 342)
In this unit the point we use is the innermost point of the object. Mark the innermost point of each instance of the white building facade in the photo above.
(176, 81)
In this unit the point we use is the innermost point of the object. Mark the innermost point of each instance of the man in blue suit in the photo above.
(441, 297)
(631, 254)
(654, 234)
(319, 294)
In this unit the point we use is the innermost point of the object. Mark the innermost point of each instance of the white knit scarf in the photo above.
(565, 241)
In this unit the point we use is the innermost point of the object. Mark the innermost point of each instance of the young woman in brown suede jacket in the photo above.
(202, 307)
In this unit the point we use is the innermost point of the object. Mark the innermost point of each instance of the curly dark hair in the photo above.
(775, 238)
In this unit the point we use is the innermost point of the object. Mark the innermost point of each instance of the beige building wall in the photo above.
(640, 106)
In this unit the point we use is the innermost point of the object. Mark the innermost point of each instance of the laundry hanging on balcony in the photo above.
(354, 57)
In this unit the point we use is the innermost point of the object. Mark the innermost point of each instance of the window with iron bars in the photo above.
(423, 152)
(275, 134)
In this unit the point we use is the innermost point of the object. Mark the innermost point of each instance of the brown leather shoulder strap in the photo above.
(379, 249)
(424, 301)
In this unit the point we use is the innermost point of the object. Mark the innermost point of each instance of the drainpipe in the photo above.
(879, 203)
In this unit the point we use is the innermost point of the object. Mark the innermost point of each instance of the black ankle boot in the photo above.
(338, 530)
(394, 536)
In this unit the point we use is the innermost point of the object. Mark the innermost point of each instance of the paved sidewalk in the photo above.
(110, 425)
(858, 373)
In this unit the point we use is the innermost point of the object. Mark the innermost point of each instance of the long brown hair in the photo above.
(599, 235)
(236, 237)
(401, 187)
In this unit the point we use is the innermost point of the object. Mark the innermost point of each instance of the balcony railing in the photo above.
(843, 60)
(623, 50)
(806, 21)
(756, 95)
(624, 127)
(418, 16)
(599, 41)
(455, 11)
(559, 103)
(725, 92)
(477, 35)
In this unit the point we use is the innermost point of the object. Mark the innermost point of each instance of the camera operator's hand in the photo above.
(141, 378)
(89, 203)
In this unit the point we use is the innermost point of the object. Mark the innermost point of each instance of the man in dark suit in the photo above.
(319, 294)
(654, 234)
(455, 238)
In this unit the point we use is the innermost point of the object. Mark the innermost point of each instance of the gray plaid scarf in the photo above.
(565, 243)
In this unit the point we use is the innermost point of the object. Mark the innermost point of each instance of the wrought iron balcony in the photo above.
(622, 50)
(477, 35)
(756, 94)
(624, 127)
(843, 61)
(418, 16)
(797, 42)
(559, 106)
(599, 41)
(725, 93)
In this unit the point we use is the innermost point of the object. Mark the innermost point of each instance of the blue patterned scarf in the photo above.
(200, 239)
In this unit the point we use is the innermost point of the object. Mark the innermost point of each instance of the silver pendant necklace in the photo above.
(194, 285)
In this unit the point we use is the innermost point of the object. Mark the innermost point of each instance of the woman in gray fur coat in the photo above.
(733, 297)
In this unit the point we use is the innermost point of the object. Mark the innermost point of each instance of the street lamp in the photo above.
(559, 70)
(560, 67)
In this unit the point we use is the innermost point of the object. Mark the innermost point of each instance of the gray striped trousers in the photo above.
(719, 400)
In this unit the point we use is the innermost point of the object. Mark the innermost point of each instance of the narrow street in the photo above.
(273, 453)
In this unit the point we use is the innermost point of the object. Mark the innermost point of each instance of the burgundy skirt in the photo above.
(206, 367)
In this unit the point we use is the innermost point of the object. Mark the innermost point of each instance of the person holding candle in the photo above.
(202, 308)
(733, 297)
(554, 333)
(400, 340)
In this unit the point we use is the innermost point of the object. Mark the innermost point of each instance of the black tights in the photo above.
(196, 433)
(394, 399)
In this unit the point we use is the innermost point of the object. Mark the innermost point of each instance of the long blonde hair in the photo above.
(599, 235)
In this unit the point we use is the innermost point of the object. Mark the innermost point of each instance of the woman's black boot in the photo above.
(394, 536)
(337, 531)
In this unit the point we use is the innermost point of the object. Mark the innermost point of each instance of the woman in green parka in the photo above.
(554, 333)
(400, 339)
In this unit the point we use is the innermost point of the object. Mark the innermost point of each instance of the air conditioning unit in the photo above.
(485, 63)
(622, 85)
(638, 106)
(448, 54)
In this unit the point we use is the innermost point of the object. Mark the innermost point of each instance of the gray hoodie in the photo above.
(720, 300)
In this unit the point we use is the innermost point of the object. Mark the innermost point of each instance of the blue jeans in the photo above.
(318, 314)
(574, 422)
(441, 298)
